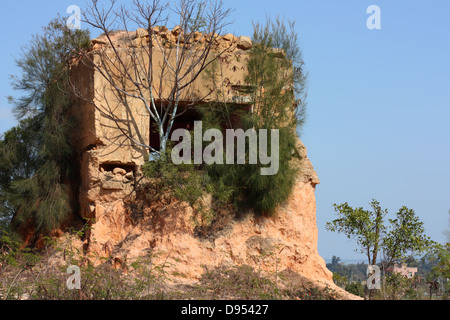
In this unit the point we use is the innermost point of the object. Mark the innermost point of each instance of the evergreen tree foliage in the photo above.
(41, 197)
(18, 160)
(276, 84)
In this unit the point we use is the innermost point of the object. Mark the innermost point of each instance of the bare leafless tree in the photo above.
(154, 65)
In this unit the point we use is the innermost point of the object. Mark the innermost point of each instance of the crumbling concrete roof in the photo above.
(164, 37)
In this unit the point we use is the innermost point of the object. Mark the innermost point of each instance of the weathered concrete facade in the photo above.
(106, 121)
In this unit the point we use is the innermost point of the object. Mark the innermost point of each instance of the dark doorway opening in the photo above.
(187, 116)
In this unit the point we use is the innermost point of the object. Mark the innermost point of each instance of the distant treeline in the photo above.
(358, 272)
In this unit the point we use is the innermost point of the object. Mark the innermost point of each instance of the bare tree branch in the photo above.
(153, 65)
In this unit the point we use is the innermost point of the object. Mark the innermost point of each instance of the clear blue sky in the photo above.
(378, 104)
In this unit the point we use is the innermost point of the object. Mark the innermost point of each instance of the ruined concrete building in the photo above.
(110, 166)
(109, 161)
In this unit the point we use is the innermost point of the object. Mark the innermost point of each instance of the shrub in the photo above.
(357, 288)
(185, 182)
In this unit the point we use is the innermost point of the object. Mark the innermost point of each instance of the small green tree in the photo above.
(335, 260)
(275, 82)
(404, 237)
(396, 285)
(442, 268)
(364, 226)
(42, 200)
(439, 257)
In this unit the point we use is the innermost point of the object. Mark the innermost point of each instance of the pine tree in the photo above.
(42, 200)
(276, 82)
(18, 160)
